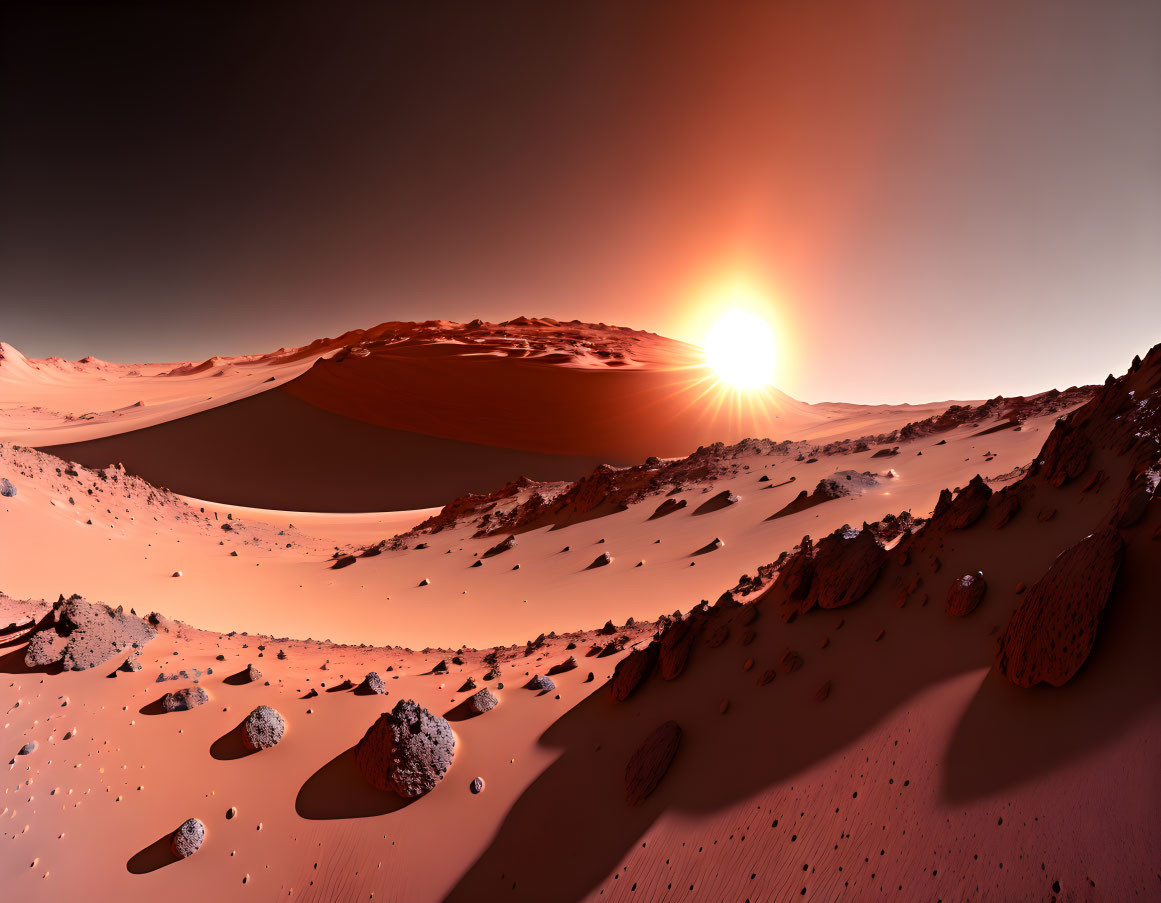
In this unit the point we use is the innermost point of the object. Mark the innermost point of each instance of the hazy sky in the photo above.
(933, 200)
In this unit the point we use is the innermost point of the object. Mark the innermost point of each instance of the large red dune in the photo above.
(405, 415)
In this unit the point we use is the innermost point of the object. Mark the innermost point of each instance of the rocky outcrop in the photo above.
(674, 647)
(82, 635)
(262, 728)
(966, 508)
(1051, 633)
(407, 750)
(845, 568)
(1065, 454)
(965, 594)
(648, 765)
(631, 671)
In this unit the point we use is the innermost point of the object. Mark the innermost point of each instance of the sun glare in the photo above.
(740, 348)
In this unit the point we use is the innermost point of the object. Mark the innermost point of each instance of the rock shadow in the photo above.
(338, 790)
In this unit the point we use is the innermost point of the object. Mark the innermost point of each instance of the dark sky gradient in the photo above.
(940, 200)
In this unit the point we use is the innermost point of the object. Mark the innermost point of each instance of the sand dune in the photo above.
(405, 414)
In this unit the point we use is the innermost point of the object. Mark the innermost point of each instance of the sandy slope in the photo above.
(895, 763)
(126, 556)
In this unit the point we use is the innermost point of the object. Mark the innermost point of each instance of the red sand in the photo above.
(895, 763)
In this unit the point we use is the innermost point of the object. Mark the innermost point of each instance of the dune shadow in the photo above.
(1009, 737)
(338, 790)
(230, 746)
(153, 857)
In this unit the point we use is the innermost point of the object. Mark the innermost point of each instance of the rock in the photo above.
(188, 838)
(81, 635)
(372, 684)
(723, 499)
(407, 750)
(131, 664)
(425, 582)
(27, 749)
(601, 560)
(44, 648)
(184, 700)
(345, 562)
(631, 671)
(480, 702)
(674, 647)
(263, 728)
(567, 665)
(966, 508)
(440, 668)
(965, 594)
(541, 684)
(176, 574)
(251, 674)
(478, 563)
(845, 568)
(712, 546)
(668, 507)
(7, 490)
(503, 546)
(1051, 633)
(609, 629)
(477, 785)
(1065, 454)
(648, 765)
(791, 662)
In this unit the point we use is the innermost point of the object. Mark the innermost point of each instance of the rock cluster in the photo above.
(82, 635)
(184, 700)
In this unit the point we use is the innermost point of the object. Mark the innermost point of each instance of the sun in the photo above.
(741, 350)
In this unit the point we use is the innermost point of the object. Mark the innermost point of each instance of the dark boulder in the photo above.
(263, 728)
(407, 750)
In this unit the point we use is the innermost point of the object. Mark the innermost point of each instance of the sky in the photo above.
(927, 200)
